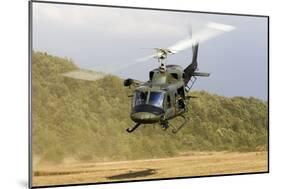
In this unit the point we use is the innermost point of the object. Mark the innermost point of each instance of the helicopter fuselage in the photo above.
(161, 98)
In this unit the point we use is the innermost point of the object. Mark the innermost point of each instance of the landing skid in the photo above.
(129, 130)
(175, 130)
(165, 125)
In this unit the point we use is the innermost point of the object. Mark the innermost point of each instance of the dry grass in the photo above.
(189, 164)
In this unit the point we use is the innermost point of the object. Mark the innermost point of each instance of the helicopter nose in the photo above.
(145, 117)
(146, 113)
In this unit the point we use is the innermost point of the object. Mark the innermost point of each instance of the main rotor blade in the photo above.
(146, 58)
(210, 30)
(87, 75)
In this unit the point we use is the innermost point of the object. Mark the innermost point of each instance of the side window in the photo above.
(175, 76)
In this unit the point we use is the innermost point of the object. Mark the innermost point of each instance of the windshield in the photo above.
(156, 99)
(140, 97)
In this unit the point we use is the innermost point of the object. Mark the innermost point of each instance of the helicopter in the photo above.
(165, 96)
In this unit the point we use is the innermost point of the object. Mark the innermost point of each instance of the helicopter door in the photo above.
(181, 92)
(180, 96)
(168, 106)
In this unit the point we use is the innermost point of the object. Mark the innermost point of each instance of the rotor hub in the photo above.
(162, 68)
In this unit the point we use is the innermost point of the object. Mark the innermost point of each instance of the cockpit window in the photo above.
(140, 97)
(156, 99)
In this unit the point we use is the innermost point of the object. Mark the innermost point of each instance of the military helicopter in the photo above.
(165, 95)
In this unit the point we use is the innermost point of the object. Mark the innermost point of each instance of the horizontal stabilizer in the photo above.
(201, 74)
(128, 82)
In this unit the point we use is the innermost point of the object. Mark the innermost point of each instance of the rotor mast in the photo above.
(161, 55)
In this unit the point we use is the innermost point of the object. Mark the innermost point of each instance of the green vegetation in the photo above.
(87, 120)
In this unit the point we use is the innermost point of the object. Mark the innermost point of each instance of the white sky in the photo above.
(108, 39)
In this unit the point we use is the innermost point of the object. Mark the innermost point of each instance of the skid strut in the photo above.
(129, 130)
(175, 130)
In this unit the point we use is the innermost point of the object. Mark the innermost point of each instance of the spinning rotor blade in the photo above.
(210, 30)
(146, 58)
(87, 75)
(159, 52)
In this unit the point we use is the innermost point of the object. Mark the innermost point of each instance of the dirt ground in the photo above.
(189, 164)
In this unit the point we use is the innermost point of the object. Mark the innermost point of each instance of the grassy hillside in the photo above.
(87, 120)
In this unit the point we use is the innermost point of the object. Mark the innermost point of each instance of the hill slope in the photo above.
(87, 120)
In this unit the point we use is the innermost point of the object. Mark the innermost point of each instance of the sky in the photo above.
(112, 39)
